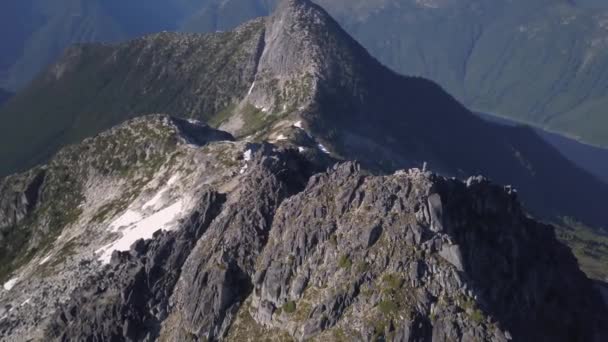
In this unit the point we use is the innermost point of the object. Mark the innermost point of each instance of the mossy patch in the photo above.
(345, 262)
(289, 307)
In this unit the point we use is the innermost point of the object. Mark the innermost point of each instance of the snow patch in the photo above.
(243, 169)
(247, 155)
(251, 89)
(195, 121)
(11, 283)
(301, 149)
(298, 124)
(156, 200)
(265, 109)
(128, 218)
(26, 302)
(45, 260)
(281, 137)
(138, 227)
(323, 148)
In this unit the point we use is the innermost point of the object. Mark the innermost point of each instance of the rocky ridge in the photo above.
(269, 247)
(167, 229)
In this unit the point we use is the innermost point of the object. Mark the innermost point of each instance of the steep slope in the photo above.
(300, 79)
(484, 52)
(244, 241)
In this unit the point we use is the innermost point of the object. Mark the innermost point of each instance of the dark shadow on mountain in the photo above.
(390, 121)
(588, 157)
(5, 95)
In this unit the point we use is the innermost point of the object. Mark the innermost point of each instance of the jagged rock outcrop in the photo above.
(415, 256)
(217, 275)
(129, 300)
(264, 246)
(61, 221)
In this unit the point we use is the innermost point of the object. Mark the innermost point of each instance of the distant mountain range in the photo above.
(537, 61)
(591, 158)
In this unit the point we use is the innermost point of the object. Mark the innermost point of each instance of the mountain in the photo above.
(259, 80)
(539, 62)
(165, 228)
(91, 99)
(588, 157)
(35, 32)
(245, 241)
(481, 51)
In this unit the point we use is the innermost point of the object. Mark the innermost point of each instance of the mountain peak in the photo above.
(293, 48)
(305, 52)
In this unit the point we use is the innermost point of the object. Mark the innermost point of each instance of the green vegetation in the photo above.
(392, 282)
(93, 94)
(477, 316)
(339, 335)
(245, 328)
(345, 262)
(362, 267)
(588, 246)
(471, 308)
(388, 306)
(289, 307)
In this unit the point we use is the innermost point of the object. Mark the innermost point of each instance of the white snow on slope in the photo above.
(298, 124)
(155, 201)
(128, 218)
(247, 155)
(323, 148)
(251, 89)
(281, 137)
(45, 260)
(138, 227)
(11, 283)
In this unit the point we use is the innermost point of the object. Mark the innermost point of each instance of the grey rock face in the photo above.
(19, 196)
(216, 278)
(274, 249)
(129, 299)
(396, 287)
